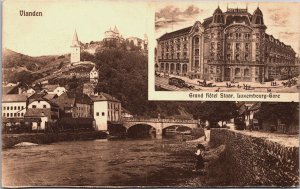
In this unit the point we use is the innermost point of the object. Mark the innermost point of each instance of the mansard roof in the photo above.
(176, 33)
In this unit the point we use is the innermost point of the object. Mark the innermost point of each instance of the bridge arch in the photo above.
(172, 129)
(141, 130)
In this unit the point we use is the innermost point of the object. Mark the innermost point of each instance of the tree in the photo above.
(215, 111)
(286, 112)
(85, 56)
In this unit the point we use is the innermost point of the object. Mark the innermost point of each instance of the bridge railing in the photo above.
(156, 120)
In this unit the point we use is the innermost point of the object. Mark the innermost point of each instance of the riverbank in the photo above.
(9, 140)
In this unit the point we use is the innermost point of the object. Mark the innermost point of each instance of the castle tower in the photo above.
(75, 49)
(94, 75)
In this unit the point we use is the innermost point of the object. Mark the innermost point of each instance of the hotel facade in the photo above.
(229, 46)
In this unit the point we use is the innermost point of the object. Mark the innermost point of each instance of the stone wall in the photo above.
(257, 161)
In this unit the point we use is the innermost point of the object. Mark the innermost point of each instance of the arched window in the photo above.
(196, 40)
(237, 71)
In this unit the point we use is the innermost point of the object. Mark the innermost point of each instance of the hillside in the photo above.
(17, 66)
(123, 74)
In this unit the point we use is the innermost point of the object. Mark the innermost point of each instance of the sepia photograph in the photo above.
(76, 84)
(245, 47)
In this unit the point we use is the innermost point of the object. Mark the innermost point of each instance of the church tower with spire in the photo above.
(75, 49)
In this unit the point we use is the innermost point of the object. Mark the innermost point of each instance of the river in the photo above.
(99, 163)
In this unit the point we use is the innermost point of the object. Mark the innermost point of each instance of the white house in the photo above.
(106, 108)
(59, 91)
(14, 105)
(94, 75)
(54, 89)
(42, 111)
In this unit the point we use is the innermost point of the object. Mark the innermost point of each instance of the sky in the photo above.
(281, 19)
(53, 32)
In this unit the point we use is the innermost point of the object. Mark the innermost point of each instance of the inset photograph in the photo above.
(227, 47)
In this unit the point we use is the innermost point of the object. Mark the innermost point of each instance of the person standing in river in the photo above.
(199, 158)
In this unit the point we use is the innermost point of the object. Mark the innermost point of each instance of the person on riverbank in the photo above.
(199, 158)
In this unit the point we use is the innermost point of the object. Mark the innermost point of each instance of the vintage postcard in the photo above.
(75, 110)
(226, 51)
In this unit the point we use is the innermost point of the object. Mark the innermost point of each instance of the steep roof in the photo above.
(50, 96)
(64, 101)
(75, 41)
(104, 97)
(14, 98)
(7, 89)
(176, 33)
(34, 112)
(50, 87)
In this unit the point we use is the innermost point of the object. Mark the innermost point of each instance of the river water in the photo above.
(98, 163)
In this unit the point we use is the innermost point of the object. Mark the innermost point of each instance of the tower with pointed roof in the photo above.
(75, 49)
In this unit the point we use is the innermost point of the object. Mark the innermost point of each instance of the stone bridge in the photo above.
(159, 124)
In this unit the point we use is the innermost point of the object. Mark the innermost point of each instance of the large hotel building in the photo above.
(227, 46)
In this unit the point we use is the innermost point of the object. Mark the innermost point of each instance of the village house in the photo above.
(66, 105)
(94, 75)
(106, 109)
(41, 112)
(83, 107)
(54, 89)
(14, 106)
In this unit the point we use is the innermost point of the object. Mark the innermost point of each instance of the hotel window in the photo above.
(247, 35)
(178, 55)
(4, 107)
(247, 46)
(3, 114)
(18, 114)
(212, 35)
(230, 36)
(257, 35)
(246, 57)
(103, 114)
(15, 107)
(219, 34)
(237, 46)
(228, 46)
(237, 71)
(97, 113)
(184, 55)
(197, 51)
(212, 46)
(184, 46)
(218, 45)
(19, 107)
(228, 56)
(44, 106)
(197, 40)
(7, 114)
(237, 57)
(33, 106)
(11, 114)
